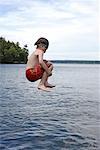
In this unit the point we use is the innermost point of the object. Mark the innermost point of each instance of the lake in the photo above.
(67, 118)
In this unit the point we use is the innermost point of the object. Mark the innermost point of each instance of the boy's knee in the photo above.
(51, 66)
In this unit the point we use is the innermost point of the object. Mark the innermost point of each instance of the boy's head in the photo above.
(42, 43)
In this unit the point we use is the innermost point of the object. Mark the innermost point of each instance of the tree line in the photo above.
(11, 52)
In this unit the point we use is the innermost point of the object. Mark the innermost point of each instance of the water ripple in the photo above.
(64, 119)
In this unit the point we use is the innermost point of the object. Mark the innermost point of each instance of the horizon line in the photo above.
(77, 61)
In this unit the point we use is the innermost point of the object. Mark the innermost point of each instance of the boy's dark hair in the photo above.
(42, 41)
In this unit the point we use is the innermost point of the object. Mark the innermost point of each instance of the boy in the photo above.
(37, 68)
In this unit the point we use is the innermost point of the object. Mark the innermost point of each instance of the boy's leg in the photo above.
(43, 85)
(42, 82)
(46, 82)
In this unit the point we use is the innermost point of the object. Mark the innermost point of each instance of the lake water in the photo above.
(67, 118)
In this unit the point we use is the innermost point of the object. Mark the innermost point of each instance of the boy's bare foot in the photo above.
(49, 85)
(44, 88)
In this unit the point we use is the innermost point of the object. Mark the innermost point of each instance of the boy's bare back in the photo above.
(33, 59)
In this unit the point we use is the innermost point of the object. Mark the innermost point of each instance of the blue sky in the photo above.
(71, 26)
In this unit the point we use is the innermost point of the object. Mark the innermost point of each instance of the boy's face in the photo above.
(43, 47)
(44, 50)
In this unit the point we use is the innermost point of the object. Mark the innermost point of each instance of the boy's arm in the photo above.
(44, 66)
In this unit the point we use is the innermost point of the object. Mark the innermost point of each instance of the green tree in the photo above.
(11, 52)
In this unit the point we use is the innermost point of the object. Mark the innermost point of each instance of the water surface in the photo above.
(67, 118)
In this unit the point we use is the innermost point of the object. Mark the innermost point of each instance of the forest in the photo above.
(11, 52)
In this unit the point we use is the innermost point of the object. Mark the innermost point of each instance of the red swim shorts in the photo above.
(33, 74)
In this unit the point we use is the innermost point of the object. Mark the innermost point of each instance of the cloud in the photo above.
(70, 26)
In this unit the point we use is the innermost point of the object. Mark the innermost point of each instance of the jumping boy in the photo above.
(37, 68)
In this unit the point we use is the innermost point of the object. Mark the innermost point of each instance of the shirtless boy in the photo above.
(37, 68)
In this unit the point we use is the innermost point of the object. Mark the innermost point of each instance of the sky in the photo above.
(71, 26)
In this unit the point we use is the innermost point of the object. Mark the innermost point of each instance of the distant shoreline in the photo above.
(76, 61)
(66, 62)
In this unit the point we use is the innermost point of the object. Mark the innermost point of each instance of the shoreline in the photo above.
(66, 62)
(76, 61)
